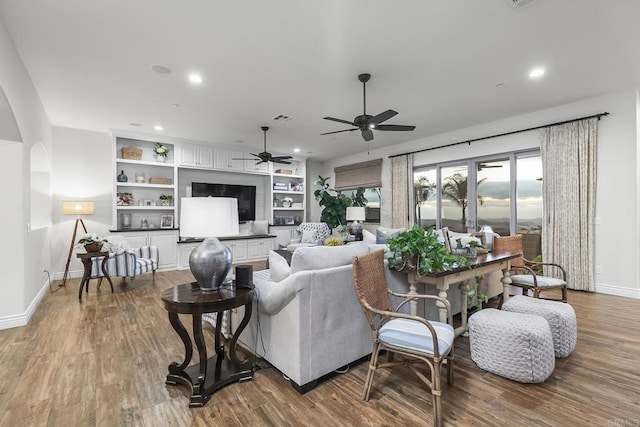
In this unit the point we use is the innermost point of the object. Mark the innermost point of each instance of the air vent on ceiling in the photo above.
(520, 3)
(283, 118)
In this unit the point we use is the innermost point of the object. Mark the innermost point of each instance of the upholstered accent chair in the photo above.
(310, 233)
(412, 338)
(526, 272)
(128, 263)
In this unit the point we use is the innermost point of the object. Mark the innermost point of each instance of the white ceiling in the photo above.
(436, 62)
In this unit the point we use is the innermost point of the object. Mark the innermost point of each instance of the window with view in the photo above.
(369, 198)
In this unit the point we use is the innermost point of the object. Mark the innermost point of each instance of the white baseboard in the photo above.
(22, 319)
(618, 291)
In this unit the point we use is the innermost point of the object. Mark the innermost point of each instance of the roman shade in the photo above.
(366, 174)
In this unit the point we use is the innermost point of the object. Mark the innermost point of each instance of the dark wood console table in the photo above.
(216, 372)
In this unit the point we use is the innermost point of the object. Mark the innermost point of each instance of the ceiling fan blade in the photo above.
(394, 127)
(261, 161)
(383, 117)
(277, 160)
(281, 157)
(340, 121)
(367, 134)
(338, 131)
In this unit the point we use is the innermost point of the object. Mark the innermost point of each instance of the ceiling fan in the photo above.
(366, 122)
(265, 156)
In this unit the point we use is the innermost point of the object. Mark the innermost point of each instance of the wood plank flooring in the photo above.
(103, 362)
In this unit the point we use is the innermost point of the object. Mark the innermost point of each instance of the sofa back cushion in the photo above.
(384, 233)
(321, 257)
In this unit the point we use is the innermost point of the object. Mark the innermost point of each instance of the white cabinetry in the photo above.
(243, 249)
(198, 156)
(228, 160)
(283, 235)
(164, 240)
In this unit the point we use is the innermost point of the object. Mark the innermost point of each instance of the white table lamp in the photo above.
(209, 218)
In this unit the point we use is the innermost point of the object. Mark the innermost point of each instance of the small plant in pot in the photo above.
(166, 199)
(419, 249)
(92, 243)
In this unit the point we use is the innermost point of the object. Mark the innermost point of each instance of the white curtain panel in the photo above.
(401, 191)
(569, 199)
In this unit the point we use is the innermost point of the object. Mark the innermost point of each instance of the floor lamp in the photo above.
(75, 208)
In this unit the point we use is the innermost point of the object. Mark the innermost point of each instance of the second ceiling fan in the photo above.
(366, 123)
(266, 156)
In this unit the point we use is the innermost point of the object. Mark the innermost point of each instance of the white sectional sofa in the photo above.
(310, 323)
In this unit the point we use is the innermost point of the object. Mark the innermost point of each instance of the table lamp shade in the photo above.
(355, 213)
(208, 217)
(77, 207)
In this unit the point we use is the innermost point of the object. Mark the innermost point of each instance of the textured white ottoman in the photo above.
(513, 345)
(560, 315)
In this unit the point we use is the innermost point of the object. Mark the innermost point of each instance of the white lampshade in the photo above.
(355, 213)
(202, 217)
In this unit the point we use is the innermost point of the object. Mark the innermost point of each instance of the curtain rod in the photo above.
(469, 141)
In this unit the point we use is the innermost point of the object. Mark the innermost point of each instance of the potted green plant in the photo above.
(335, 205)
(470, 246)
(92, 242)
(166, 199)
(161, 152)
(419, 249)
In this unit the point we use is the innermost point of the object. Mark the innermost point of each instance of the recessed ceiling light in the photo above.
(176, 105)
(195, 78)
(160, 69)
(536, 72)
(158, 127)
(296, 150)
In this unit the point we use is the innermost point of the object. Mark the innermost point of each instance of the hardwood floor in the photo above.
(103, 362)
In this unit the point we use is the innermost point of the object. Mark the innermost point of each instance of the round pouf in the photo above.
(560, 315)
(513, 345)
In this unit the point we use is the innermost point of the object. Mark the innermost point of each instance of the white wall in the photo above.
(618, 188)
(25, 284)
(82, 170)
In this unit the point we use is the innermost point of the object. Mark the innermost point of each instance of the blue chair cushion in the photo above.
(415, 335)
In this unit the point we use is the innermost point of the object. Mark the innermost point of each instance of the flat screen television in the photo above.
(246, 195)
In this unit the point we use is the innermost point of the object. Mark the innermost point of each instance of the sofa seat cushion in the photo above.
(415, 335)
(321, 257)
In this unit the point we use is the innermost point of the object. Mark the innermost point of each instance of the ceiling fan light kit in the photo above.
(366, 123)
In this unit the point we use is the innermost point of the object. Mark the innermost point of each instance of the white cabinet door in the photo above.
(238, 249)
(167, 251)
(205, 157)
(188, 155)
(263, 167)
(266, 247)
(254, 249)
(184, 251)
(136, 240)
(196, 156)
(283, 235)
(229, 160)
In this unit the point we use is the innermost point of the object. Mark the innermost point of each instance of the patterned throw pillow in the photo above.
(309, 236)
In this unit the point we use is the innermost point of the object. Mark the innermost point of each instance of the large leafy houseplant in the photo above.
(334, 205)
(420, 249)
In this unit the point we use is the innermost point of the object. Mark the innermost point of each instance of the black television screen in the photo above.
(246, 195)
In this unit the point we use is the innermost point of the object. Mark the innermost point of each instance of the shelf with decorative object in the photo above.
(145, 173)
(288, 193)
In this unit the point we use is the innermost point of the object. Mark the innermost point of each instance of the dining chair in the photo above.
(414, 339)
(527, 273)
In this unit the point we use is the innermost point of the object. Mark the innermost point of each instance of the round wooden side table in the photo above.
(216, 372)
(86, 258)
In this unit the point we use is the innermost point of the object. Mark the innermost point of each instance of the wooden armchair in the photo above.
(527, 274)
(413, 338)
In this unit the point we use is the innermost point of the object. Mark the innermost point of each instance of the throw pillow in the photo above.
(368, 237)
(260, 227)
(309, 236)
(278, 267)
(383, 233)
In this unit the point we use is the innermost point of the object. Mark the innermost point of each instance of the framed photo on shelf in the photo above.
(166, 221)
